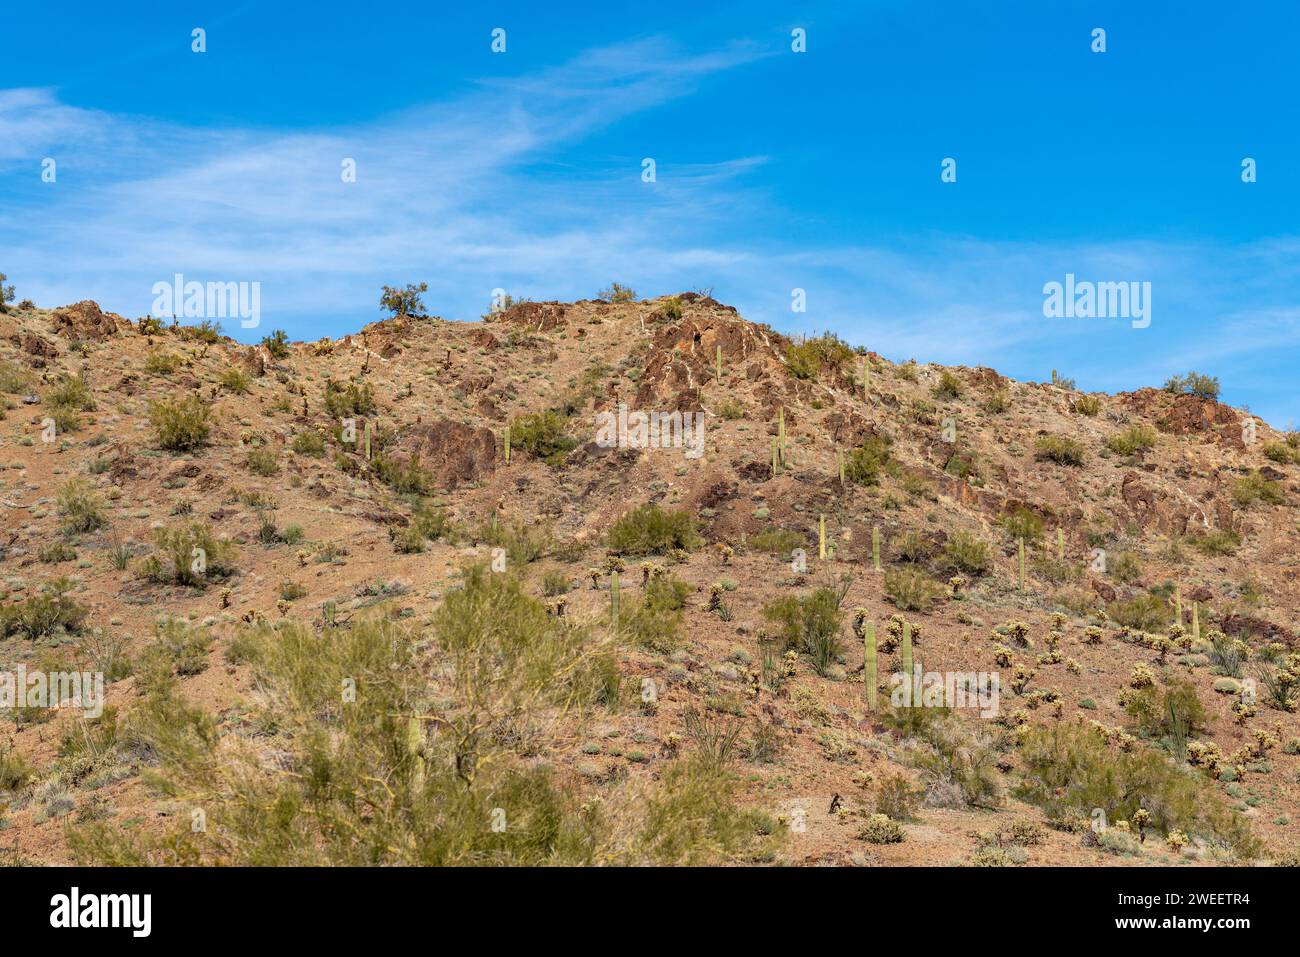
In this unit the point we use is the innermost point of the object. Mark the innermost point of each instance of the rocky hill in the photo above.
(561, 648)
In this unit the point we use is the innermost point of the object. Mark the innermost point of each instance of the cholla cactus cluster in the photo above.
(881, 829)
(1205, 755)
(725, 552)
(1018, 631)
(1092, 635)
(1002, 656)
(614, 565)
(1021, 678)
(1177, 840)
(1141, 677)
(595, 575)
(715, 596)
(955, 584)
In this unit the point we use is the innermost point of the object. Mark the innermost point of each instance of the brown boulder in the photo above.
(452, 451)
(85, 320)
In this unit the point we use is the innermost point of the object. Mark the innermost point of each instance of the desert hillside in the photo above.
(437, 618)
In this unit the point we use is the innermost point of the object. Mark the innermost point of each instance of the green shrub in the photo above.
(1088, 405)
(1141, 613)
(1219, 541)
(542, 435)
(880, 829)
(655, 621)
(1253, 488)
(811, 624)
(968, 553)
(309, 443)
(405, 476)
(1059, 449)
(80, 507)
(277, 344)
(1194, 383)
(650, 530)
(15, 771)
(262, 461)
(43, 614)
(345, 401)
(180, 425)
(13, 378)
(777, 541)
(158, 362)
(948, 387)
(807, 359)
(72, 392)
(1022, 523)
(1069, 770)
(235, 380)
(1134, 439)
(912, 590)
(206, 331)
(865, 463)
(1125, 567)
(617, 292)
(189, 554)
(524, 542)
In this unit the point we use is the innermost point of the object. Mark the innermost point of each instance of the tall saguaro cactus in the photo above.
(875, 548)
(906, 657)
(717, 365)
(367, 440)
(507, 444)
(869, 669)
(614, 601)
(821, 537)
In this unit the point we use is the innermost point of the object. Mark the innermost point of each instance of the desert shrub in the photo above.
(391, 778)
(1059, 449)
(1253, 488)
(997, 402)
(15, 771)
(235, 380)
(777, 541)
(1141, 612)
(912, 590)
(180, 424)
(1283, 453)
(435, 523)
(542, 435)
(1194, 383)
(1125, 567)
(158, 362)
(1173, 714)
(716, 738)
(948, 386)
(1070, 769)
(80, 507)
(405, 475)
(72, 392)
(1219, 541)
(655, 621)
(896, 798)
(1022, 523)
(189, 554)
(14, 378)
(1088, 405)
(731, 409)
(914, 547)
(806, 360)
(206, 331)
(968, 553)
(1134, 439)
(523, 542)
(617, 292)
(404, 301)
(343, 401)
(181, 648)
(309, 443)
(811, 623)
(958, 767)
(865, 463)
(650, 530)
(48, 612)
(277, 344)
(262, 461)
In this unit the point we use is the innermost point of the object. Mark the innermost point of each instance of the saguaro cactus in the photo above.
(507, 444)
(367, 440)
(415, 748)
(776, 465)
(780, 435)
(1021, 563)
(821, 537)
(1060, 544)
(1178, 604)
(875, 548)
(905, 655)
(869, 669)
(717, 365)
(613, 598)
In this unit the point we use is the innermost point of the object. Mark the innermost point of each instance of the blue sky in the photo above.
(775, 170)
